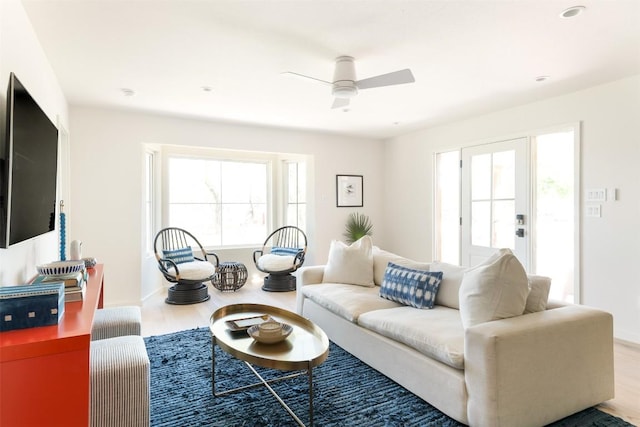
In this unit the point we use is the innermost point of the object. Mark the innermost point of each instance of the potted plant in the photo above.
(358, 225)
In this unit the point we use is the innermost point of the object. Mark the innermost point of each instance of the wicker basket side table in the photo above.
(230, 276)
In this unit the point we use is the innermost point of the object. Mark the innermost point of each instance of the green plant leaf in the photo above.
(358, 225)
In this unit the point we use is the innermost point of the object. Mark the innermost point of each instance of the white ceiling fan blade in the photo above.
(340, 102)
(389, 79)
(302, 76)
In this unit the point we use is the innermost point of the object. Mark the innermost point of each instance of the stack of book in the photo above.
(74, 284)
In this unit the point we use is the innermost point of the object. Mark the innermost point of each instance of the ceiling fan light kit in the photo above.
(345, 86)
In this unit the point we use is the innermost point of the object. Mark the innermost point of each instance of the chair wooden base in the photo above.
(182, 294)
(279, 283)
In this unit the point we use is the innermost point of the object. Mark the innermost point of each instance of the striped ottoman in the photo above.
(119, 369)
(116, 321)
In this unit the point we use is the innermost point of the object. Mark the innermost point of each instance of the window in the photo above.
(295, 191)
(221, 202)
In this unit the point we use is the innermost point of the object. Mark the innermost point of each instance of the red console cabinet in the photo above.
(44, 371)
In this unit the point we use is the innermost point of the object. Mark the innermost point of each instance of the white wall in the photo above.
(610, 117)
(107, 171)
(21, 53)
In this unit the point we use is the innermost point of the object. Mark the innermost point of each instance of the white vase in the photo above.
(76, 250)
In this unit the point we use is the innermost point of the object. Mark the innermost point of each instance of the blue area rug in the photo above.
(347, 392)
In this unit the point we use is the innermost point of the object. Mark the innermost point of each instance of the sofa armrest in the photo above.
(310, 275)
(536, 368)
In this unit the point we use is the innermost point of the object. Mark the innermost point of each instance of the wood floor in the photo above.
(159, 318)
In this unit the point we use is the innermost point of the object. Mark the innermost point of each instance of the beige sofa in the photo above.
(527, 370)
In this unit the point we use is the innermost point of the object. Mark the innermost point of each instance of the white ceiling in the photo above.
(468, 56)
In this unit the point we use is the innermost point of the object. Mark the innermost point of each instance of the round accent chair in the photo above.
(282, 253)
(184, 262)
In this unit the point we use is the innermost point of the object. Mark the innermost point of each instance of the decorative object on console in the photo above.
(28, 306)
(358, 225)
(282, 253)
(58, 268)
(63, 231)
(76, 249)
(349, 191)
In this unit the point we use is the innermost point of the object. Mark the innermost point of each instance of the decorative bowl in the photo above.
(270, 337)
(60, 268)
(269, 328)
(90, 262)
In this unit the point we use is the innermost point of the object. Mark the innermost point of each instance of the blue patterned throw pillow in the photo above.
(276, 250)
(179, 256)
(417, 288)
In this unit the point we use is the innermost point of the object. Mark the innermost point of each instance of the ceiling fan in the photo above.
(345, 86)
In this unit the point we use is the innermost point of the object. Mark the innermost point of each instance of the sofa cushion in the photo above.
(437, 333)
(179, 256)
(408, 286)
(495, 289)
(351, 264)
(539, 287)
(450, 285)
(346, 301)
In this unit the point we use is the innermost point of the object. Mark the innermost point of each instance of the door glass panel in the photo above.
(504, 174)
(481, 177)
(481, 223)
(503, 235)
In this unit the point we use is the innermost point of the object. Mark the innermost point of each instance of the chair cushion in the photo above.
(179, 256)
(195, 270)
(271, 262)
(496, 289)
(408, 286)
(351, 264)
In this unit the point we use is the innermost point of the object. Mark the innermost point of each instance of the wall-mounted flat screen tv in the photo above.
(28, 169)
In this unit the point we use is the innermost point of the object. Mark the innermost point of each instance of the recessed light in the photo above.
(127, 92)
(542, 78)
(206, 88)
(572, 11)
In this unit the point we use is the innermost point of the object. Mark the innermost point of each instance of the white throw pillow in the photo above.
(539, 287)
(496, 289)
(448, 294)
(351, 264)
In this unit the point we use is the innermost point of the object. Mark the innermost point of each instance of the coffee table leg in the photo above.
(310, 373)
(213, 364)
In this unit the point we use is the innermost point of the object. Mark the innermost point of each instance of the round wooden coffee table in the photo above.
(305, 348)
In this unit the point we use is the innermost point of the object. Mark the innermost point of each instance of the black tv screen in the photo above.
(29, 169)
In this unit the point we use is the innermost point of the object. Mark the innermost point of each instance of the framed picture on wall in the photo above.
(349, 191)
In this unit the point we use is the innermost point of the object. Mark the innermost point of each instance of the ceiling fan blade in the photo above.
(340, 102)
(389, 79)
(302, 76)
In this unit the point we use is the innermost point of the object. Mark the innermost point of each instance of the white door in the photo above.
(495, 201)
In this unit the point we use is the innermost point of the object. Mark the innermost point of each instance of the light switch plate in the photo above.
(593, 211)
(596, 195)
